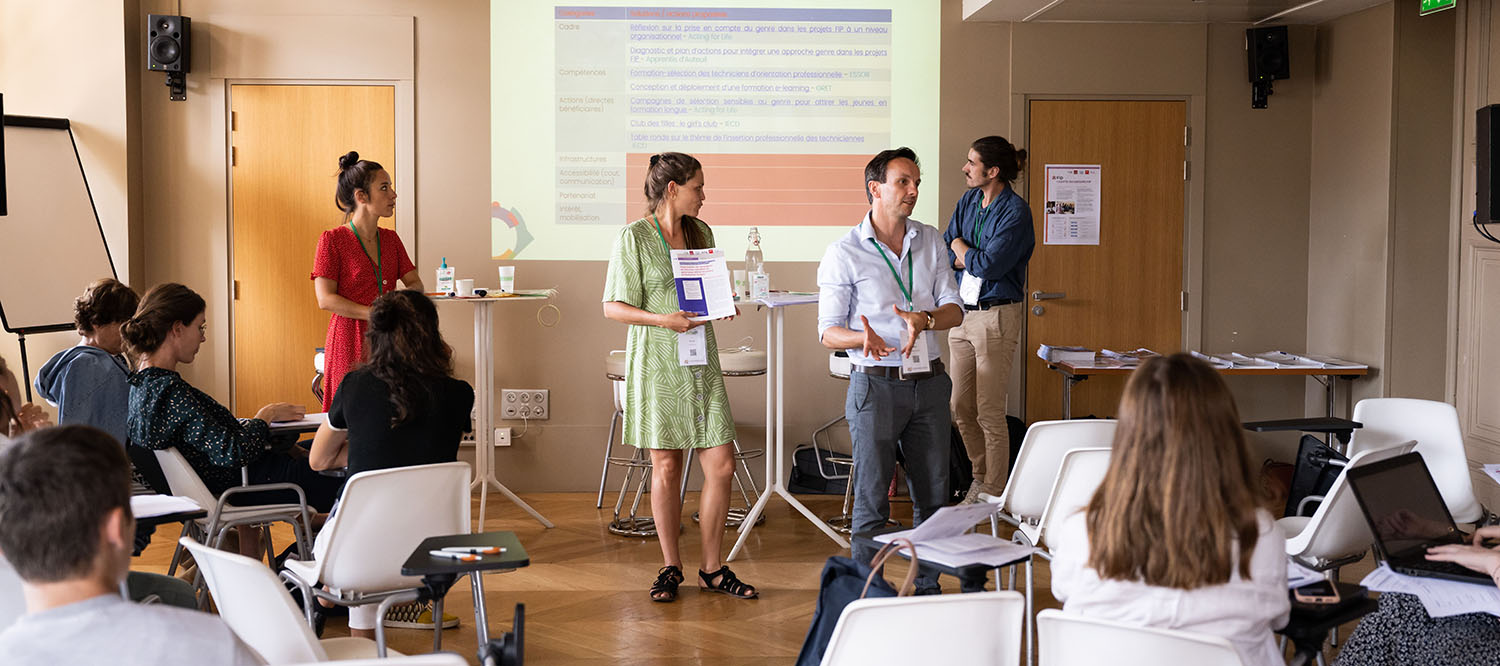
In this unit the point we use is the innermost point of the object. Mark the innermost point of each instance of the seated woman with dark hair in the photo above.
(167, 412)
(87, 381)
(402, 407)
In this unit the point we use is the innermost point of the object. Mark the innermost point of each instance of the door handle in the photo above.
(1047, 295)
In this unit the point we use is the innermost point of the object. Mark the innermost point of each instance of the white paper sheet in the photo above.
(949, 521)
(1441, 598)
(1493, 471)
(307, 421)
(1298, 575)
(147, 506)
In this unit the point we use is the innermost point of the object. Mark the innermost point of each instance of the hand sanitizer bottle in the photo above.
(445, 278)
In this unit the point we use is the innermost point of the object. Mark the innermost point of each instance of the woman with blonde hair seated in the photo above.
(1173, 538)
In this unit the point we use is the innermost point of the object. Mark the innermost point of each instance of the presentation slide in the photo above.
(783, 104)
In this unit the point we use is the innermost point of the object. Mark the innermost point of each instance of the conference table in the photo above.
(775, 304)
(1074, 373)
(484, 391)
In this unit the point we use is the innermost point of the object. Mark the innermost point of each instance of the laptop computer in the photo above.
(1407, 514)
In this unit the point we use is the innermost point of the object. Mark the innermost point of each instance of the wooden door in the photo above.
(1126, 291)
(287, 140)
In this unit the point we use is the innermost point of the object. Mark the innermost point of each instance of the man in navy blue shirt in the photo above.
(990, 239)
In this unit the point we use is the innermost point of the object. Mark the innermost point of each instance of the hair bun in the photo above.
(349, 159)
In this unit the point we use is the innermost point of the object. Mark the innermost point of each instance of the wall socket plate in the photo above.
(502, 436)
(525, 404)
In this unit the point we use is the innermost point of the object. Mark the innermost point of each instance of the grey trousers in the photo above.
(886, 415)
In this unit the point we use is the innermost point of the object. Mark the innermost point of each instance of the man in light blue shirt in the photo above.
(883, 289)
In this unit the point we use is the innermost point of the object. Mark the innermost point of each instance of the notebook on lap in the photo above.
(1407, 514)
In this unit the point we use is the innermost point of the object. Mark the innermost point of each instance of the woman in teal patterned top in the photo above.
(670, 407)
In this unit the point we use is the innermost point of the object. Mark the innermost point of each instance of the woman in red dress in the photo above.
(348, 259)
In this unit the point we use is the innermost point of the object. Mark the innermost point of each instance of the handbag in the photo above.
(845, 580)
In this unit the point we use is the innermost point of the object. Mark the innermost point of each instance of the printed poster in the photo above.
(1072, 205)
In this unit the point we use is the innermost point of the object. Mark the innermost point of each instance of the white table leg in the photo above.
(484, 388)
(776, 439)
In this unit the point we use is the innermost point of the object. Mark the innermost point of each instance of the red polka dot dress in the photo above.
(341, 258)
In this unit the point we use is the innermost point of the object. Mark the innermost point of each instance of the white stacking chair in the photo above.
(1030, 484)
(435, 659)
(978, 629)
(1434, 426)
(382, 516)
(258, 609)
(1337, 533)
(184, 481)
(1069, 639)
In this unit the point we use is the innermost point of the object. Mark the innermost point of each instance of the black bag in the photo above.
(845, 580)
(806, 478)
(960, 470)
(1314, 473)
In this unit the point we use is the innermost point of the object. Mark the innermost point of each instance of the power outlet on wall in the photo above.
(525, 404)
(502, 436)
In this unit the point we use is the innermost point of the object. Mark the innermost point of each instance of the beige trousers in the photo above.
(981, 352)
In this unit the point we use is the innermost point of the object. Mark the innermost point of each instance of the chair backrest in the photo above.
(1069, 639)
(840, 366)
(183, 480)
(383, 515)
(1079, 475)
(12, 599)
(1041, 455)
(1338, 528)
(1434, 426)
(982, 628)
(256, 606)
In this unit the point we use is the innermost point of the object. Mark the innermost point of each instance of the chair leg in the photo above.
(687, 470)
(437, 621)
(608, 444)
(1030, 627)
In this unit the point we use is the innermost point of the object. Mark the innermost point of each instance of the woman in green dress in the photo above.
(670, 405)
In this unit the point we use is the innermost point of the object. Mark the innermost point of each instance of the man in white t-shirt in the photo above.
(66, 528)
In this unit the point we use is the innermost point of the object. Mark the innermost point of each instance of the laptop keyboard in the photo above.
(1436, 567)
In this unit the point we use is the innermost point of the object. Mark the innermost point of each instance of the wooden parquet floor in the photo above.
(585, 591)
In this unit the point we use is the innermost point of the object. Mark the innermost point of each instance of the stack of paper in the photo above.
(1235, 360)
(1061, 354)
(943, 539)
(1128, 359)
(1441, 598)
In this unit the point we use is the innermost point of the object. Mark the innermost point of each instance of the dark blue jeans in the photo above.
(886, 415)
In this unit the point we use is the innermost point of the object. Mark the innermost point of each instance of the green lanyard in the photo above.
(906, 289)
(379, 260)
(661, 235)
(980, 220)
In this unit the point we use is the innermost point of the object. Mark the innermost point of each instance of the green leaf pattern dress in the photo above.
(667, 406)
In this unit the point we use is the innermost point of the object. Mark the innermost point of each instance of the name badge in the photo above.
(968, 288)
(692, 347)
(918, 362)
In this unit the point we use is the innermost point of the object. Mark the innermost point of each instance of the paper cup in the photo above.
(464, 288)
(741, 283)
(508, 279)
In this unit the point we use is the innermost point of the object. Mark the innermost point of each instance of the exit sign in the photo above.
(1430, 6)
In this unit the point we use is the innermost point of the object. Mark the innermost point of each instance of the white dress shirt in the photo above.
(854, 280)
(1243, 611)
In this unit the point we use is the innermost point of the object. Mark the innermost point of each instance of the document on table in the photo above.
(308, 421)
(703, 284)
(1493, 471)
(147, 506)
(949, 521)
(1441, 598)
(1298, 575)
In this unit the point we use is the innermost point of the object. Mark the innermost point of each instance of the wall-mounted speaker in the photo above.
(1487, 178)
(167, 39)
(1270, 58)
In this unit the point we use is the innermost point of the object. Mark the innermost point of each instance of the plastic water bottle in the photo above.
(754, 261)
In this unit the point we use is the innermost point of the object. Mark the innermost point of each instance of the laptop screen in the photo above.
(1403, 506)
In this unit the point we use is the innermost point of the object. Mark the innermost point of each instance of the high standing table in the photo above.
(484, 390)
(776, 414)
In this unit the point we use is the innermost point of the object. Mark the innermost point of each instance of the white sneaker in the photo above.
(972, 496)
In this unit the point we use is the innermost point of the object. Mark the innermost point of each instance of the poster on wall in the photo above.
(1072, 207)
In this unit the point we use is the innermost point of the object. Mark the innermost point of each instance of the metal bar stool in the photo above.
(637, 464)
(739, 362)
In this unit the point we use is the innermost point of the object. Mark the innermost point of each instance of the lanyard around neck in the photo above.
(378, 262)
(662, 236)
(982, 217)
(906, 289)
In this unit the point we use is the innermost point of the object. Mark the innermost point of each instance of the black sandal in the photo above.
(664, 589)
(728, 584)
